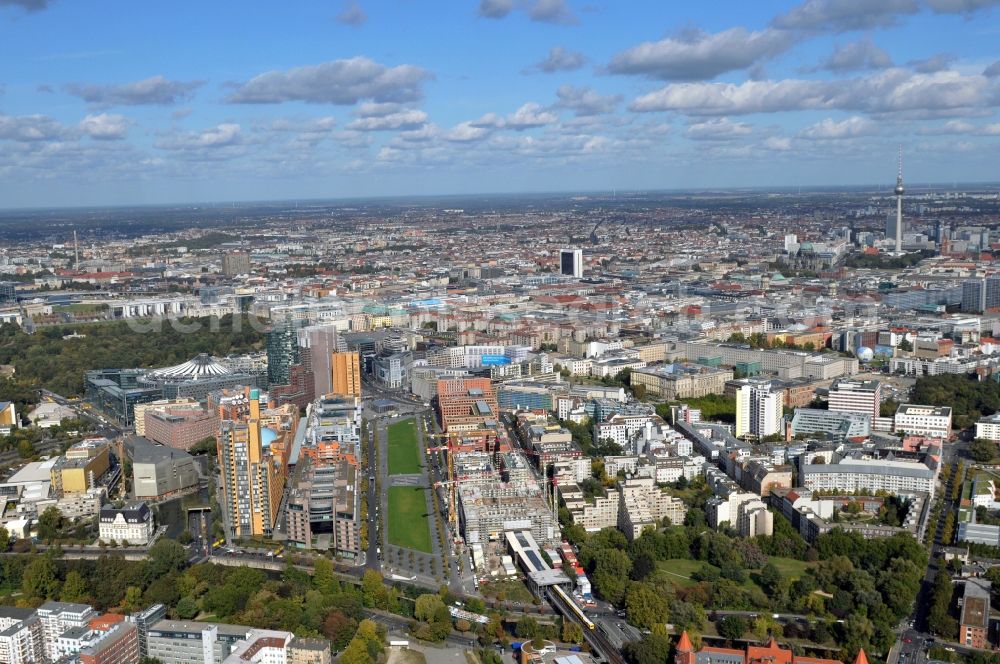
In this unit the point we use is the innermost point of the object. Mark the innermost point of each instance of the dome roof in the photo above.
(198, 368)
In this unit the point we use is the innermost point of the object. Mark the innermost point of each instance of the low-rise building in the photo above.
(929, 421)
(159, 472)
(974, 624)
(132, 523)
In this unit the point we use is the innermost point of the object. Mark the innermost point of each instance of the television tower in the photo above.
(899, 203)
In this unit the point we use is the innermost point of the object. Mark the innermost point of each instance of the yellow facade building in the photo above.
(346, 370)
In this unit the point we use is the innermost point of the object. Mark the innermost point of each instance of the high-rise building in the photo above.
(856, 396)
(992, 294)
(253, 474)
(345, 372)
(317, 344)
(571, 263)
(235, 263)
(758, 410)
(282, 349)
(974, 295)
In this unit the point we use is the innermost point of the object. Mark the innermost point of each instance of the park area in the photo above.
(685, 572)
(408, 525)
(404, 454)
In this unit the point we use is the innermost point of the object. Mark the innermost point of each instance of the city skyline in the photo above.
(359, 99)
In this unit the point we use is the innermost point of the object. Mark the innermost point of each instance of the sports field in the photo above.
(404, 456)
(408, 525)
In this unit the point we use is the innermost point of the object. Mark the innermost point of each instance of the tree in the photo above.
(653, 648)
(770, 578)
(983, 450)
(372, 590)
(611, 572)
(571, 632)
(4, 539)
(187, 608)
(74, 588)
(645, 605)
(428, 607)
(526, 628)
(133, 599)
(50, 524)
(165, 556)
(39, 580)
(356, 653)
(339, 628)
(323, 579)
(732, 627)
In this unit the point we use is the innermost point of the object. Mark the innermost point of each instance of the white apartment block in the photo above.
(929, 421)
(852, 475)
(645, 504)
(56, 618)
(577, 468)
(20, 636)
(602, 513)
(621, 428)
(988, 428)
(754, 519)
(758, 410)
(726, 509)
(856, 396)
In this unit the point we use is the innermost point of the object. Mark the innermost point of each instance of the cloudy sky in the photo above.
(106, 102)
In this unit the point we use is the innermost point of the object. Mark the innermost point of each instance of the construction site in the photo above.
(490, 488)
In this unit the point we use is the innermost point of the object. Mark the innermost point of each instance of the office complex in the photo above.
(571, 263)
(345, 372)
(235, 263)
(466, 404)
(856, 396)
(758, 410)
(929, 421)
(159, 472)
(324, 507)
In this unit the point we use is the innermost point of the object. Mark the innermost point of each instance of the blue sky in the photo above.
(107, 102)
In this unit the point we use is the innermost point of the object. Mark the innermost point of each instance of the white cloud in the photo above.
(960, 6)
(105, 126)
(856, 56)
(699, 55)
(559, 59)
(155, 91)
(405, 119)
(551, 11)
(336, 82)
(829, 128)
(585, 101)
(718, 129)
(529, 116)
(219, 136)
(31, 128)
(466, 132)
(845, 15)
(894, 90)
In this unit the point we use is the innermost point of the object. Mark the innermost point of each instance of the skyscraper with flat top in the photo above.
(571, 263)
(346, 374)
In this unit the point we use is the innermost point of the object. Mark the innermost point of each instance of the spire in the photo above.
(861, 658)
(684, 644)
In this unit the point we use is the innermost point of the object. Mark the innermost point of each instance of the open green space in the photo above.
(680, 571)
(408, 524)
(404, 455)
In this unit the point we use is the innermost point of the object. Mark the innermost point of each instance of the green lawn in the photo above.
(408, 524)
(789, 567)
(680, 571)
(404, 456)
